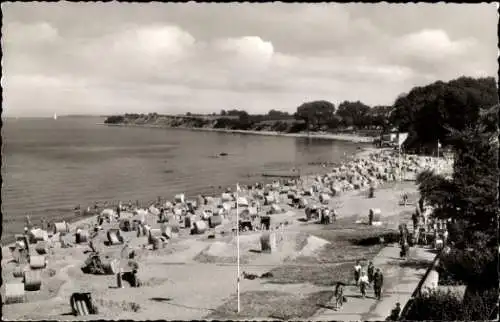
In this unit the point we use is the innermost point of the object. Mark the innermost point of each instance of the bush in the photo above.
(436, 306)
(389, 237)
(480, 306)
(280, 126)
(439, 305)
(114, 119)
(297, 127)
(471, 266)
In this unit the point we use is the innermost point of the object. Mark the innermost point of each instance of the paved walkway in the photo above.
(399, 283)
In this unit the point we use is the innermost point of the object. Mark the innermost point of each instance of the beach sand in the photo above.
(192, 275)
(193, 288)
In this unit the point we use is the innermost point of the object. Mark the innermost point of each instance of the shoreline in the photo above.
(306, 178)
(313, 135)
(5, 245)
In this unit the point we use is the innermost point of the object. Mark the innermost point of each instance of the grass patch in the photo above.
(153, 281)
(334, 262)
(348, 242)
(277, 305)
(209, 259)
(322, 275)
(124, 305)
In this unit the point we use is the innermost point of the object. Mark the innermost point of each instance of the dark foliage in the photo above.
(115, 119)
(315, 114)
(353, 113)
(430, 110)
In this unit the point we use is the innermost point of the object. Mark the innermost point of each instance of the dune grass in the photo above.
(271, 304)
(334, 262)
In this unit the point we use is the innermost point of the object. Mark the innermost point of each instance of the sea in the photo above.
(51, 166)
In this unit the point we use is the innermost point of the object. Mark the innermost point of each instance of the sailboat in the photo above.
(55, 116)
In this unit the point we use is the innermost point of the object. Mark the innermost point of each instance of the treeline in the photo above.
(426, 112)
(470, 200)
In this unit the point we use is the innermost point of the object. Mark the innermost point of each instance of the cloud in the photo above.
(171, 58)
(29, 34)
(432, 45)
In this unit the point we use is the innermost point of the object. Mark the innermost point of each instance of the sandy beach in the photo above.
(314, 135)
(193, 275)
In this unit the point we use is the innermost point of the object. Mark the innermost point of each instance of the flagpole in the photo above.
(238, 244)
(399, 160)
(437, 160)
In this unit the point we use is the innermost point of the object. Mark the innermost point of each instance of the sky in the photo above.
(168, 58)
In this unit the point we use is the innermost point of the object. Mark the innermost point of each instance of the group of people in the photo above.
(366, 277)
(363, 277)
(424, 224)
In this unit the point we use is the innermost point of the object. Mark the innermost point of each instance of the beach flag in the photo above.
(439, 144)
(238, 189)
(402, 138)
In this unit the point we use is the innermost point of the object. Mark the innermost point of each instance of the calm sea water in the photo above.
(50, 166)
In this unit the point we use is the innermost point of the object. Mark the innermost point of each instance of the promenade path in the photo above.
(400, 280)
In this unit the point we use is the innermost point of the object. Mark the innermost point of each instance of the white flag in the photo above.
(439, 144)
(402, 138)
(238, 188)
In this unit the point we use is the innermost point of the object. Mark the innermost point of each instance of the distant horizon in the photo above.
(208, 113)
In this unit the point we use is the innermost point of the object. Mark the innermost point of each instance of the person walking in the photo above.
(445, 236)
(357, 272)
(339, 295)
(404, 249)
(363, 283)
(378, 282)
(414, 219)
(371, 271)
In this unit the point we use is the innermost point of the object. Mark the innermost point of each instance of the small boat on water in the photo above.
(55, 116)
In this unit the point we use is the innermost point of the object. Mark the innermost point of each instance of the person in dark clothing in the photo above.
(118, 211)
(378, 282)
(414, 219)
(371, 271)
(162, 215)
(405, 248)
(395, 313)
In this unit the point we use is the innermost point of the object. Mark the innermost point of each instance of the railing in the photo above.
(417, 291)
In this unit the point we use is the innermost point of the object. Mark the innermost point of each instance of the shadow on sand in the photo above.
(168, 300)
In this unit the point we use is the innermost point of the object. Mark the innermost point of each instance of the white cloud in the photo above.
(171, 58)
(432, 45)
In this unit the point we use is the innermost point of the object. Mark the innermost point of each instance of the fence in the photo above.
(417, 291)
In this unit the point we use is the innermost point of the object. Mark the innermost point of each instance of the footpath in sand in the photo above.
(399, 284)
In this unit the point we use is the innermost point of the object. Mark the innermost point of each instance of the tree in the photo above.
(379, 116)
(277, 115)
(353, 113)
(315, 113)
(430, 110)
(223, 112)
(335, 122)
(471, 195)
